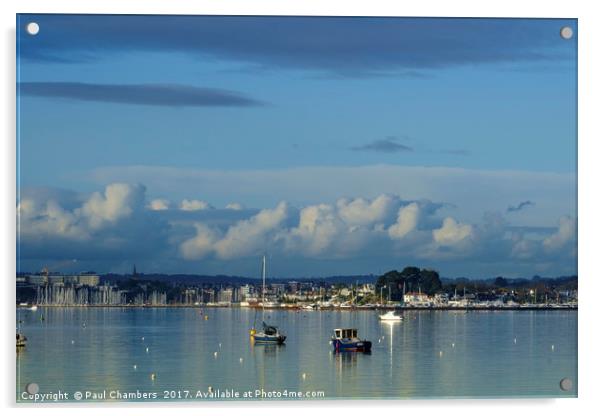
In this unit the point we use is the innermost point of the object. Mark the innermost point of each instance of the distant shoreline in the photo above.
(347, 309)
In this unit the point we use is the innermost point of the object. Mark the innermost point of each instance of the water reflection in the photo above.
(428, 354)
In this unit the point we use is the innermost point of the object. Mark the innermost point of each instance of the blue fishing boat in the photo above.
(346, 339)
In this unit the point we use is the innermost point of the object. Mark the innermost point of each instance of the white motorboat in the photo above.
(390, 316)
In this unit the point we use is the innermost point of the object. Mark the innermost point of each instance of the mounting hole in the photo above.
(32, 388)
(566, 32)
(566, 384)
(32, 28)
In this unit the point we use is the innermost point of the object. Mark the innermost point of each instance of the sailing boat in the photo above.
(269, 333)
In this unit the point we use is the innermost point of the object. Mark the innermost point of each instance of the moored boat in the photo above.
(21, 340)
(269, 335)
(390, 316)
(346, 339)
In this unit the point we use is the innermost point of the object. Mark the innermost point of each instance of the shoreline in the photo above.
(347, 309)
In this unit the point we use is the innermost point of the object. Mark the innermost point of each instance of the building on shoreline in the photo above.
(90, 289)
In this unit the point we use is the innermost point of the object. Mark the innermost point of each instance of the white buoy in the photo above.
(142, 338)
(210, 389)
(515, 340)
(72, 341)
(220, 344)
(215, 354)
(153, 376)
(240, 359)
(135, 367)
(304, 376)
(453, 345)
(552, 347)
(440, 353)
(146, 349)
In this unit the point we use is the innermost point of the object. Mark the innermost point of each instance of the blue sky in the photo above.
(469, 119)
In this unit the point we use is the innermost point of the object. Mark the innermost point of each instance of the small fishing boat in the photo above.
(390, 316)
(346, 339)
(21, 340)
(269, 335)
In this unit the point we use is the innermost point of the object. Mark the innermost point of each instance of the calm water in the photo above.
(430, 354)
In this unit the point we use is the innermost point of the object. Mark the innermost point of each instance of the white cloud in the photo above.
(360, 211)
(318, 227)
(452, 233)
(201, 245)
(159, 204)
(117, 223)
(407, 221)
(565, 234)
(113, 221)
(475, 191)
(241, 239)
(194, 205)
(118, 201)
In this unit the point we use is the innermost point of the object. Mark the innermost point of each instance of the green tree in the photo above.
(415, 279)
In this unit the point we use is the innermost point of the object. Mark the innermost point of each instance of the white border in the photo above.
(590, 27)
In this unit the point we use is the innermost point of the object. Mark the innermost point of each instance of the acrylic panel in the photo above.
(295, 208)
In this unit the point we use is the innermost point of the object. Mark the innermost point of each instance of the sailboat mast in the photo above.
(263, 277)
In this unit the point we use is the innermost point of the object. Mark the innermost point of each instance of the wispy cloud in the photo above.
(349, 47)
(386, 145)
(520, 206)
(168, 95)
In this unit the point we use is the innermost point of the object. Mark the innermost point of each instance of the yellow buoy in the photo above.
(252, 332)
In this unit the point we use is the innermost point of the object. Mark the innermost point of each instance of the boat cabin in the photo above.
(345, 333)
(270, 330)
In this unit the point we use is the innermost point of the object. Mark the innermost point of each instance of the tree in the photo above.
(415, 279)
(500, 282)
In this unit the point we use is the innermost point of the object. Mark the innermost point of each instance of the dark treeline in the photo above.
(414, 279)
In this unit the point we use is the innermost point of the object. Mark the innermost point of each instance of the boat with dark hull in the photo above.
(346, 340)
(21, 340)
(269, 335)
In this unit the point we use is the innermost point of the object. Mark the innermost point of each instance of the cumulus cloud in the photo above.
(118, 200)
(110, 223)
(318, 228)
(360, 211)
(116, 224)
(565, 234)
(194, 205)
(241, 239)
(159, 204)
(407, 221)
(452, 233)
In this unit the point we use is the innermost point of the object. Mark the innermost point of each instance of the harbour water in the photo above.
(430, 354)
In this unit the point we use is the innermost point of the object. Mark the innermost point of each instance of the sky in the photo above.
(338, 146)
